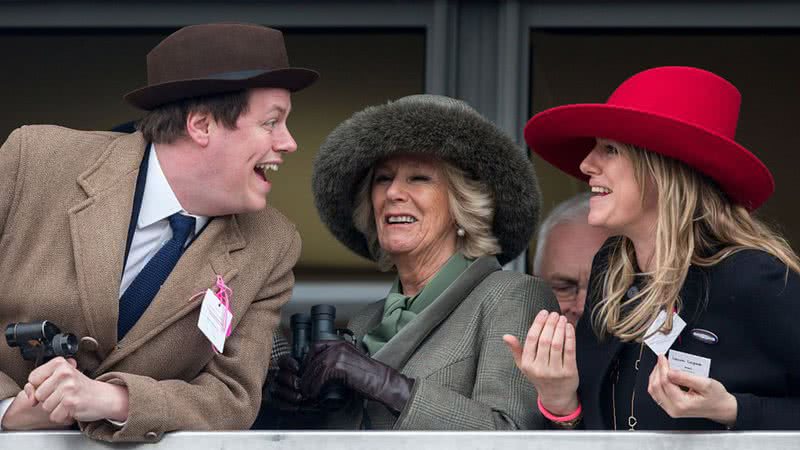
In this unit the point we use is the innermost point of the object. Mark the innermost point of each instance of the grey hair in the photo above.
(471, 205)
(573, 210)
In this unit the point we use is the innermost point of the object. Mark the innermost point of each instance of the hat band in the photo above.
(238, 75)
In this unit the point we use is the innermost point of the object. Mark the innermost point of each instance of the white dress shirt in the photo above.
(152, 231)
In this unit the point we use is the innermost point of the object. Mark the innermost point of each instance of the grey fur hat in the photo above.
(433, 125)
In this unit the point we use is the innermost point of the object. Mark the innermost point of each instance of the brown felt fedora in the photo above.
(209, 59)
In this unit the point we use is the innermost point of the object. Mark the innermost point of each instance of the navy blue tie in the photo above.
(145, 286)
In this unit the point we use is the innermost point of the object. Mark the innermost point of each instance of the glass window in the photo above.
(76, 78)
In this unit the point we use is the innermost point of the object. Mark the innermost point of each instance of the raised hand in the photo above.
(548, 361)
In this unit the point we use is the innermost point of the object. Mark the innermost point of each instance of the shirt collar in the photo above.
(158, 200)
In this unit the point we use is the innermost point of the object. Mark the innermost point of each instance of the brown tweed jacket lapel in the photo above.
(397, 351)
(207, 257)
(99, 227)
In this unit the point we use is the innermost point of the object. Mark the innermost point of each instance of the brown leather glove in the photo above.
(283, 407)
(339, 361)
(284, 390)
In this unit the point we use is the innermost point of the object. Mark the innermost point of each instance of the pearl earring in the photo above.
(460, 232)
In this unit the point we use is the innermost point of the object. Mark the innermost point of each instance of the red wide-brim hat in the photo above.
(684, 113)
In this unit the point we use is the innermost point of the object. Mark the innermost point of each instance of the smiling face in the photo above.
(411, 209)
(617, 202)
(240, 160)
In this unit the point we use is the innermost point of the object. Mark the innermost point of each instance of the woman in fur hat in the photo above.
(692, 272)
(428, 187)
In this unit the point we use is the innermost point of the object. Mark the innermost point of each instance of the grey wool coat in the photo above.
(464, 375)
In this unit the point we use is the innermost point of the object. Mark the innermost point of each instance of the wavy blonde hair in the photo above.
(697, 224)
(471, 206)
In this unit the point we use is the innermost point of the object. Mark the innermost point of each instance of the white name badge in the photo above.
(215, 319)
(658, 341)
(686, 362)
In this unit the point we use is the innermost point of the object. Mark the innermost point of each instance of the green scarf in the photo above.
(399, 310)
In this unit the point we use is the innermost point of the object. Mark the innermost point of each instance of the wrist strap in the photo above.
(552, 417)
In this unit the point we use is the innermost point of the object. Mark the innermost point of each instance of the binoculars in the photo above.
(41, 341)
(318, 327)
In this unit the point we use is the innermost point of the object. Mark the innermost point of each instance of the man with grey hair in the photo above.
(565, 246)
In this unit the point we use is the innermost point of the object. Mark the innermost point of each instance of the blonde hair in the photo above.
(697, 224)
(471, 206)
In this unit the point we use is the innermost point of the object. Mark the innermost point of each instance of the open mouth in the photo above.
(406, 219)
(600, 191)
(261, 170)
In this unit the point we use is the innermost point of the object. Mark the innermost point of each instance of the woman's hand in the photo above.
(339, 361)
(548, 360)
(284, 390)
(706, 397)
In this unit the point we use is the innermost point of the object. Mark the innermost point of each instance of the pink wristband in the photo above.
(550, 416)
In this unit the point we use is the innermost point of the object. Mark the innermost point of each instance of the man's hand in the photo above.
(25, 413)
(66, 394)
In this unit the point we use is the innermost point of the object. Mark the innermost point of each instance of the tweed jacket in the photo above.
(749, 304)
(65, 207)
(464, 375)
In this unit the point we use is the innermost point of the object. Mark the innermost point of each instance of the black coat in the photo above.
(751, 305)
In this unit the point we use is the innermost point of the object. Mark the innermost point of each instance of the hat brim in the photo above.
(423, 125)
(292, 79)
(564, 135)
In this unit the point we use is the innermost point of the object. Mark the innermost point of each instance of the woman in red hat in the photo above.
(693, 305)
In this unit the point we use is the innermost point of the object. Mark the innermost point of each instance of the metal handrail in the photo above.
(389, 440)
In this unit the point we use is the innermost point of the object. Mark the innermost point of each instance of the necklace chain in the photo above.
(632, 420)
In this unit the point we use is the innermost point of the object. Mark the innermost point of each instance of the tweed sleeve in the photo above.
(502, 398)
(226, 395)
(773, 300)
(10, 155)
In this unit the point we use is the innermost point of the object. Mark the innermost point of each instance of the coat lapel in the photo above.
(400, 348)
(182, 292)
(99, 227)
(366, 320)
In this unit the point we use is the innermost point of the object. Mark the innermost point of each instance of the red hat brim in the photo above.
(564, 135)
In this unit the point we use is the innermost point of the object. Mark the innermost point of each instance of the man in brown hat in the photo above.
(118, 238)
